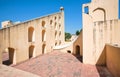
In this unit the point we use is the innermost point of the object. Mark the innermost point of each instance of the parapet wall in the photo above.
(104, 32)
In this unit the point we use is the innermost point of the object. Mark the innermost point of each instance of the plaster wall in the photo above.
(107, 7)
(78, 42)
(88, 49)
(66, 49)
(71, 46)
(100, 26)
(16, 36)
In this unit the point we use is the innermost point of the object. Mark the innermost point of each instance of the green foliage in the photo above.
(67, 36)
(77, 32)
(80, 30)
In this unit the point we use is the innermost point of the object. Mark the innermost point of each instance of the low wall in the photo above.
(113, 59)
(66, 49)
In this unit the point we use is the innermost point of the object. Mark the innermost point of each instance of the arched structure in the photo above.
(43, 23)
(31, 51)
(31, 34)
(55, 43)
(59, 26)
(55, 34)
(60, 42)
(55, 25)
(59, 33)
(51, 22)
(43, 35)
(43, 48)
(9, 56)
(55, 17)
(68, 51)
(77, 50)
(99, 14)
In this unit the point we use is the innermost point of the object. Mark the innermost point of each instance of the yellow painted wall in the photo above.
(66, 49)
(16, 36)
(100, 26)
(113, 59)
(71, 46)
(79, 42)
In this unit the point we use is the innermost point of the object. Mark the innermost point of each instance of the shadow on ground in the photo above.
(80, 58)
(7, 62)
(103, 71)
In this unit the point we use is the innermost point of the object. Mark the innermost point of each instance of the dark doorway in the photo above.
(43, 48)
(77, 53)
(68, 51)
(8, 56)
(77, 50)
(31, 50)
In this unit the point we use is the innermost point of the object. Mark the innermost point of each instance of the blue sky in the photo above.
(119, 9)
(22, 10)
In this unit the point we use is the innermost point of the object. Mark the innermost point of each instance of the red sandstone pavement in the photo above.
(57, 64)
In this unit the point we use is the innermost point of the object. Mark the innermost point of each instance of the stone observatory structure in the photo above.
(101, 26)
(24, 40)
(101, 36)
(99, 41)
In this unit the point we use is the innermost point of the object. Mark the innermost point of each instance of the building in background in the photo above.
(31, 38)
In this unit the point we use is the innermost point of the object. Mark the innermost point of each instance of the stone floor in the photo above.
(57, 64)
(7, 71)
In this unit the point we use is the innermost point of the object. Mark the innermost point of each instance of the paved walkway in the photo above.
(57, 64)
(7, 71)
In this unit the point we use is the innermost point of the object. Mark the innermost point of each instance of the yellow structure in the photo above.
(99, 41)
(31, 38)
(101, 37)
(100, 26)
(113, 59)
(75, 46)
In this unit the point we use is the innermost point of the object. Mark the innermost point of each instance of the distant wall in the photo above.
(67, 49)
(113, 59)
(78, 42)
(71, 46)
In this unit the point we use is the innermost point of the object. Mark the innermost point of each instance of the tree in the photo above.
(77, 32)
(67, 36)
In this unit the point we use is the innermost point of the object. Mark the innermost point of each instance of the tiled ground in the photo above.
(57, 64)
